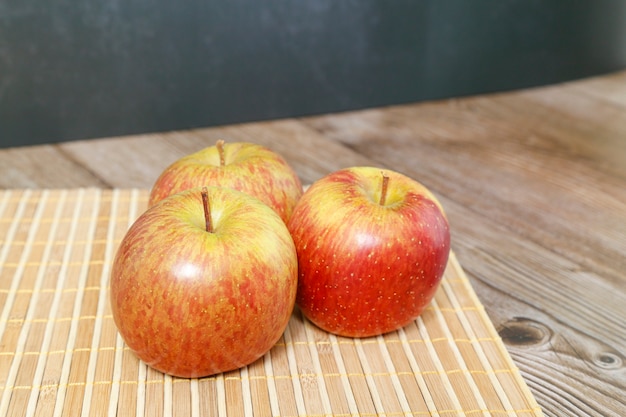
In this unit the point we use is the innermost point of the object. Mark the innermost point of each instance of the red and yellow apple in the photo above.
(247, 167)
(204, 282)
(372, 248)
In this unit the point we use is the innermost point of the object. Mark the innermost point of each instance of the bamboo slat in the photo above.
(61, 355)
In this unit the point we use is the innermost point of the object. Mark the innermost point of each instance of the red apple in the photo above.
(372, 248)
(196, 291)
(250, 168)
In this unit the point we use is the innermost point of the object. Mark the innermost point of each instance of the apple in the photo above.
(372, 248)
(204, 282)
(247, 167)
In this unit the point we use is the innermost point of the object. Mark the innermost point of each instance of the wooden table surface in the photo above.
(534, 185)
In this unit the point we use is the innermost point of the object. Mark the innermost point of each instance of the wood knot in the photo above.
(608, 360)
(522, 331)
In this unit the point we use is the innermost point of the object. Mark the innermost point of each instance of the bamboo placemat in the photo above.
(60, 353)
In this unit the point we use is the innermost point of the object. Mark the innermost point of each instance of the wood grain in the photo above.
(534, 184)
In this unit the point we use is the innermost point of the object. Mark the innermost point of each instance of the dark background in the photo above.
(82, 69)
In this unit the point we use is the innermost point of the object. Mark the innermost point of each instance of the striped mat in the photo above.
(60, 353)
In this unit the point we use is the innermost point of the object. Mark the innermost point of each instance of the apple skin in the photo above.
(191, 303)
(250, 168)
(366, 269)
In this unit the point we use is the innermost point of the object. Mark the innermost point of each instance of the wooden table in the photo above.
(534, 184)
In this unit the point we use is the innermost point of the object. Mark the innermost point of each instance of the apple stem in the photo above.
(384, 187)
(220, 149)
(207, 210)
